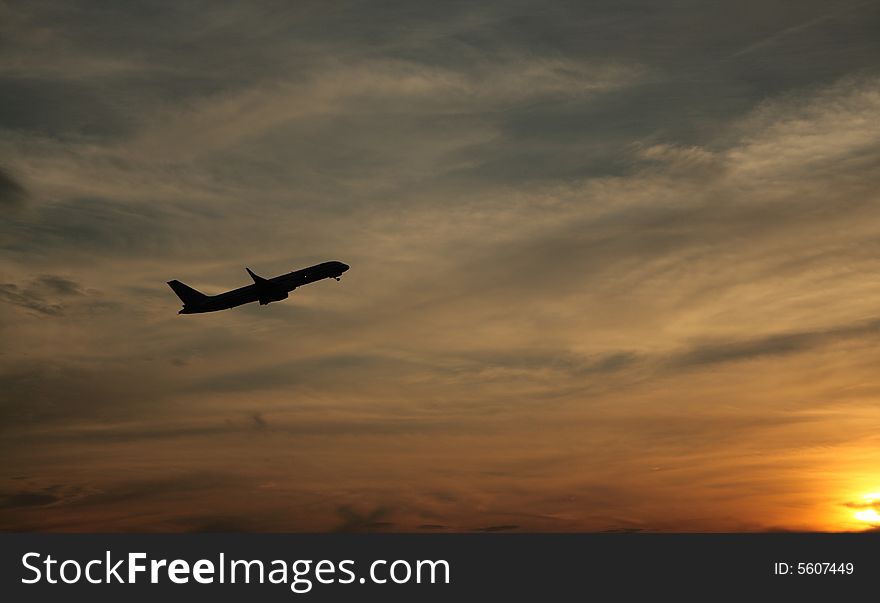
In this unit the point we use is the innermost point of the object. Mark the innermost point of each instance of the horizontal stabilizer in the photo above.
(187, 294)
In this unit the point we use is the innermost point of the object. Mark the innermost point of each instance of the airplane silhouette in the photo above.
(264, 290)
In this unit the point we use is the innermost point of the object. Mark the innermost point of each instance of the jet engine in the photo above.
(267, 296)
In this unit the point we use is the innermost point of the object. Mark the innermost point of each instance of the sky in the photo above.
(615, 265)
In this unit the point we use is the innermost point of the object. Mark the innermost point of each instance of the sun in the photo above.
(868, 512)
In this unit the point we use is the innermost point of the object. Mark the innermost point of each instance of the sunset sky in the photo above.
(615, 265)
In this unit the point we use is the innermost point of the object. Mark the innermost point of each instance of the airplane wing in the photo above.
(236, 297)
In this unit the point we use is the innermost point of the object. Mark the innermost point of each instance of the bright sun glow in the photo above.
(870, 515)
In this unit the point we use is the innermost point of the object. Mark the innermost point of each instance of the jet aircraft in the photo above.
(264, 290)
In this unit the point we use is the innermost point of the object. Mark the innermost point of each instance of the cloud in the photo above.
(27, 498)
(778, 36)
(90, 226)
(49, 392)
(466, 100)
(25, 298)
(260, 424)
(864, 504)
(774, 345)
(44, 294)
(62, 110)
(354, 521)
(12, 194)
(59, 285)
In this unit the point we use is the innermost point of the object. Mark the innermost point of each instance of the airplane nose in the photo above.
(345, 267)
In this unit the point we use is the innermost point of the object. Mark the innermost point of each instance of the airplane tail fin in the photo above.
(187, 294)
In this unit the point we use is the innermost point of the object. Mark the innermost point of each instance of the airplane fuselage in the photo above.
(263, 290)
